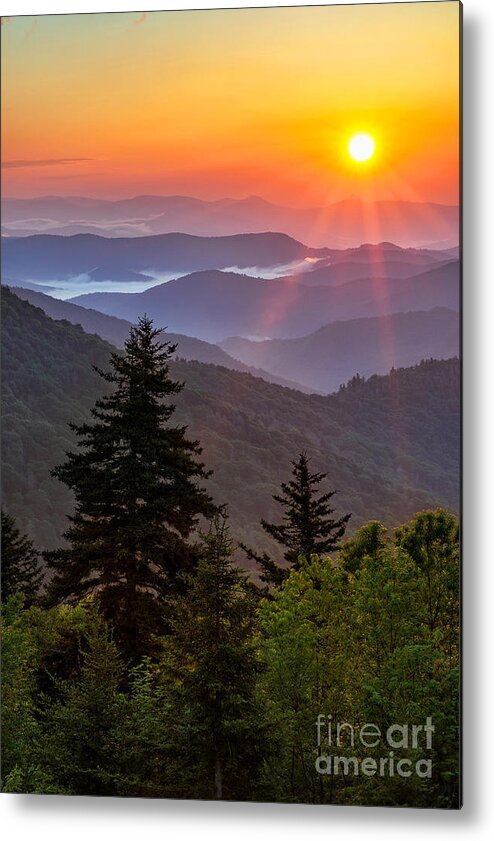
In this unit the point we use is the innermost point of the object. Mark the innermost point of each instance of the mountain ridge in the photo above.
(214, 305)
(331, 355)
(399, 221)
(390, 444)
(116, 330)
(49, 257)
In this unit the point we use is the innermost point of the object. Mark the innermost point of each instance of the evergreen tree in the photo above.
(135, 478)
(308, 527)
(212, 657)
(21, 569)
(79, 747)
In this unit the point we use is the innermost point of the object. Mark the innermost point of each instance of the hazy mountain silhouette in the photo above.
(341, 224)
(214, 305)
(381, 252)
(44, 257)
(343, 272)
(381, 260)
(84, 260)
(332, 355)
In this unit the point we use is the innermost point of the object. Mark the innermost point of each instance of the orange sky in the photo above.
(233, 103)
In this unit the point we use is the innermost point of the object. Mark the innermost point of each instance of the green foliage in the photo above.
(370, 539)
(30, 639)
(78, 743)
(358, 646)
(305, 649)
(212, 661)
(431, 539)
(149, 759)
(409, 670)
(19, 726)
(229, 706)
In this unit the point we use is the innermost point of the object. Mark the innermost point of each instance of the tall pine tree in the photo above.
(308, 527)
(21, 568)
(137, 486)
(213, 656)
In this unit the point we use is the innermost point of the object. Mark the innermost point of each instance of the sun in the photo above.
(361, 147)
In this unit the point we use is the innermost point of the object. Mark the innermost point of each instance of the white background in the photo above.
(90, 818)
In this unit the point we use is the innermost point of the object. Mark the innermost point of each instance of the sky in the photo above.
(232, 103)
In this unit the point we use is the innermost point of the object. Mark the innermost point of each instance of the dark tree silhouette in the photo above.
(136, 481)
(21, 567)
(308, 527)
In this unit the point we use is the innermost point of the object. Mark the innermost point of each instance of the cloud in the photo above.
(45, 162)
(273, 272)
(141, 19)
(71, 176)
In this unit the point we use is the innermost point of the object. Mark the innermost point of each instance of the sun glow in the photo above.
(287, 138)
(361, 147)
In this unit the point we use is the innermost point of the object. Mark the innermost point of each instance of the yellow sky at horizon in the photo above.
(234, 102)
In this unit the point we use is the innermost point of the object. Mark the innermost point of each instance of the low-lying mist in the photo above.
(69, 287)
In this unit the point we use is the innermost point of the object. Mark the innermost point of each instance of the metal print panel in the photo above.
(231, 404)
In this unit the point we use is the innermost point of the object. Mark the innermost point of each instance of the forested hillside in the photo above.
(390, 444)
(116, 331)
